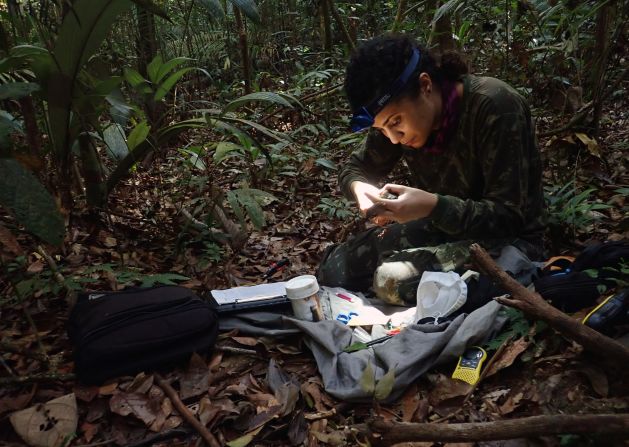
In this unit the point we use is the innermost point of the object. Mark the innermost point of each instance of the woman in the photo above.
(475, 171)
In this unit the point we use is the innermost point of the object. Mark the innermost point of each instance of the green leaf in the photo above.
(257, 96)
(326, 163)
(28, 200)
(137, 81)
(243, 441)
(162, 278)
(213, 7)
(367, 381)
(153, 68)
(282, 137)
(17, 90)
(249, 8)
(115, 139)
(224, 148)
(195, 159)
(81, 33)
(138, 135)
(253, 208)
(445, 9)
(262, 197)
(167, 67)
(385, 385)
(232, 199)
(358, 346)
(164, 87)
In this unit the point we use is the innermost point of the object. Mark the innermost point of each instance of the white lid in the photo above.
(301, 287)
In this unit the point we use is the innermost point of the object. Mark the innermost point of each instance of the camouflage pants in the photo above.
(392, 259)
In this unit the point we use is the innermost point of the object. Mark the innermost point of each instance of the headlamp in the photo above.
(365, 116)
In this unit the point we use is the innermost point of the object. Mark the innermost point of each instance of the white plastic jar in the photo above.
(303, 293)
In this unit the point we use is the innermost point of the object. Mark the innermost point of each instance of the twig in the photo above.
(10, 347)
(382, 432)
(535, 306)
(43, 377)
(70, 294)
(234, 350)
(185, 413)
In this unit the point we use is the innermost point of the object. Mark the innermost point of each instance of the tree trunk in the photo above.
(244, 49)
(441, 32)
(535, 306)
(601, 54)
(399, 16)
(339, 21)
(147, 41)
(326, 28)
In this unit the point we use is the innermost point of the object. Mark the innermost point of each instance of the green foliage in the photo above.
(517, 327)
(251, 199)
(28, 200)
(380, 389)
(571, 211)
(337, 208)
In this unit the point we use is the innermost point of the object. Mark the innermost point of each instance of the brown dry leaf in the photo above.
(336, 437)
(49, 424)
(512, 402)
(89, 431)
(590, 143)
(288, 349)
(35, 267)
(247, 341)
(139, 405)
(195, 380)
(141, 384)
(85, 393)
(8, 240)
(110, 242)
(508, 356)
(312, 391)
(216, 360)
(447, 388)
(597, 378)
(108, 390)
(12, 402)
(410, 403)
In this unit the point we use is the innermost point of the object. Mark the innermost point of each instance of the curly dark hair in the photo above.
(377, 63)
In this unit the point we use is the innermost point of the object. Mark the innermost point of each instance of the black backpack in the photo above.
(571, 286)
(118, 333)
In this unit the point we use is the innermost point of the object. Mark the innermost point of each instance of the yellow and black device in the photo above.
(469, 366)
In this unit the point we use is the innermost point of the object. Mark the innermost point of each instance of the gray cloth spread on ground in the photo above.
(415, 350)
(412, 352)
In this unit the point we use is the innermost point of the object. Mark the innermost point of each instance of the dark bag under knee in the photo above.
(119, 333)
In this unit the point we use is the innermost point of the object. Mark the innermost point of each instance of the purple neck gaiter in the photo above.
(438, 140)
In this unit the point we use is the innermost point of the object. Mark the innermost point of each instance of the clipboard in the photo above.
(259, 297)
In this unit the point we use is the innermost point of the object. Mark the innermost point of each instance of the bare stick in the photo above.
(535, 306)
(388, 433)
(185, 413)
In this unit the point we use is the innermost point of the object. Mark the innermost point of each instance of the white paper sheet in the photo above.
(245, 294)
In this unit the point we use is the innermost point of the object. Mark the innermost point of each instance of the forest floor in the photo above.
(141, 234)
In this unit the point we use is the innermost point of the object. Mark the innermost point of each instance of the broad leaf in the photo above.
(165, 86)
(283, 137)
(257, 96)
(249, 8)
(224, 148)
(17, 90)
(232, 199)
(114, 137)
(80, 35)
(326, 163)
(244, 440)
(137, 81)
(367, 380)
(213, 7)
(385, 385)
(167, 66)
(253, 208)
(162, 278)
(138, 135)
(153, 68)
(28, 200)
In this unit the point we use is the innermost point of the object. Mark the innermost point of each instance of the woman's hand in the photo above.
(360, 190)
(411, 203)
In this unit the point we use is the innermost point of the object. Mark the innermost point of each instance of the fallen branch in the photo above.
(44, 377)
(185, 412)
(382, 432)
(535, 306)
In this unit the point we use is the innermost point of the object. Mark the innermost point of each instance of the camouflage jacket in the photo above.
(489, 177)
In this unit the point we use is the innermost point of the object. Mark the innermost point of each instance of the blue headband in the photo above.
(365, 116)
